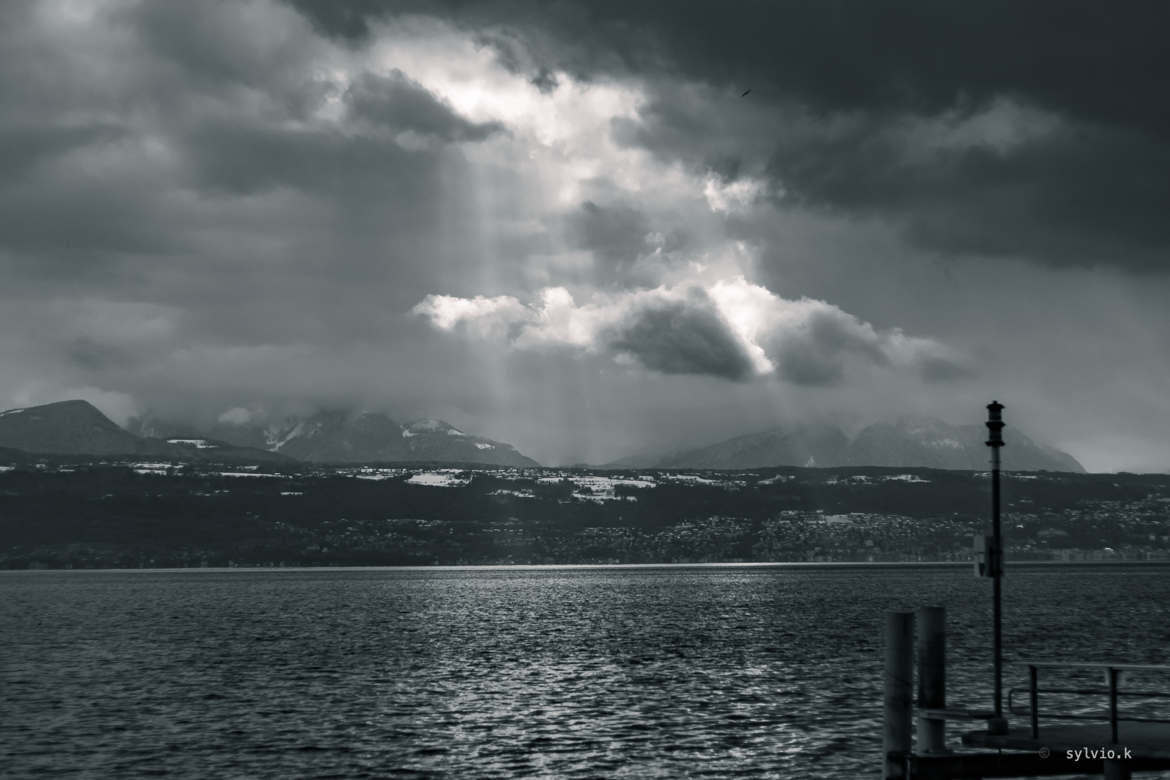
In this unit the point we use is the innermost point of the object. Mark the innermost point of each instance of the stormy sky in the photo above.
(563, 225)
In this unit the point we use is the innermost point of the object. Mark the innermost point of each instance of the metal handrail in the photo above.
(1099, 665)
(1014, 710)
(1112, 671)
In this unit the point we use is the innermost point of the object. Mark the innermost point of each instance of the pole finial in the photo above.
(995, 424)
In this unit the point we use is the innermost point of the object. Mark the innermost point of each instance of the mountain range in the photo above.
(78, 428)
(909, 442)
(345, 437)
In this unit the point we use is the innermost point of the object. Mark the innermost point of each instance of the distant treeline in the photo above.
(110, 516)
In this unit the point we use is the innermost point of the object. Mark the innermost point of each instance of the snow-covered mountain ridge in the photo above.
(338, 436)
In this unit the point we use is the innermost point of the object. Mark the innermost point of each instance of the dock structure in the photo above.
(1113, 742)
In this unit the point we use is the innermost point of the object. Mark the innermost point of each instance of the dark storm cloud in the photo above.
(243, 157)
(136, 160)
(24, 146)
(1000, 180)
(398, 103)
(211, 50)
(815, 354)
(347, 20)
(680, 337)
(629, 247)
(545, 81)
(61, 217)
(94, 357)
(827, 342)
(615, 234)
(209, 161)
(1093, 192)
(1072, 196)
(1097, 62)
(734, 331)
(186, 59)
(941, 369)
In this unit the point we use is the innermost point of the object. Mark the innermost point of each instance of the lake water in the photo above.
(550, 672)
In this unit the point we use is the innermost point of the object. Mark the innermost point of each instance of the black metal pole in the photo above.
(997, 583)
(1113, 705)
(1034, 699)
(995, 441)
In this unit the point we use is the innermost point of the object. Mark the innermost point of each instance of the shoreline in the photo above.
(797, 565)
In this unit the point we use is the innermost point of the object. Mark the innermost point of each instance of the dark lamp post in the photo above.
(995, 558)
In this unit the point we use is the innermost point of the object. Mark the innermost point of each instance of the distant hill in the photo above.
(336, 436)
(79, 428)
(436, 440)
(909, 442)
(810, 445)
(218, 450)
(71, 428)
(934, 444)
(9, 456)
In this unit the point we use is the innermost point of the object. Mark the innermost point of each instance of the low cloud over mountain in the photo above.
(78, 428)
(733, 330)
(337, 436)
(915, 443)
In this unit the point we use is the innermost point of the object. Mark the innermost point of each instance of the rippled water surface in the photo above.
(556, 672)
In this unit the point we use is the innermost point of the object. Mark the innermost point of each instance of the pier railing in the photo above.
(1112, 690)
(1012, 752)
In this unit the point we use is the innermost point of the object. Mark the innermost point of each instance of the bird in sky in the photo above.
(745, 92)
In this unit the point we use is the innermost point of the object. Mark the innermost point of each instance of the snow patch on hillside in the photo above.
(157, 469)
(442, 478)
(517, 493)
(199, 444)
(276, 439)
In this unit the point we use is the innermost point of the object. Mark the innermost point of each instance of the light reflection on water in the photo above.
(552, 672)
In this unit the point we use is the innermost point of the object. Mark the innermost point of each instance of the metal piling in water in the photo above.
(1019, 753)
(932, 678)
(897, 736)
